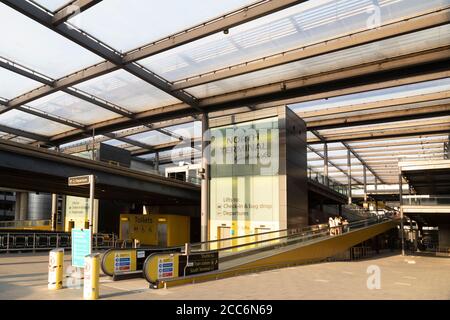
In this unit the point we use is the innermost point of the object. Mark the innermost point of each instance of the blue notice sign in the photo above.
(81, 246)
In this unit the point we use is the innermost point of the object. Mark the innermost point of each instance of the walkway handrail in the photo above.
(298, 236)
(249, 236)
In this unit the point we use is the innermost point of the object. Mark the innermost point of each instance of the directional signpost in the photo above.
(79, 180)
(81, 246)
(76, 235)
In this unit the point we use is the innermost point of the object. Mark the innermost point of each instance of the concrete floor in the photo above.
(412, 277)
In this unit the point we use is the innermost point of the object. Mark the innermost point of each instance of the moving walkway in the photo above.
(233, 256)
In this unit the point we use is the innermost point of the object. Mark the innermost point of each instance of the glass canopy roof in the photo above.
(13, 84)
(139, 18)
(53, 5)
(303, 24)
(70, 107)
(128, 91)
(25, 39)
(191, 44)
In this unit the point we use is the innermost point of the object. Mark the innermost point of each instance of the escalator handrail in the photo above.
(363, 223)
(289, 231)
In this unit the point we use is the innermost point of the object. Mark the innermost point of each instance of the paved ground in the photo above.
(412, 277)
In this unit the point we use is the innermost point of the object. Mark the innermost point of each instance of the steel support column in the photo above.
(349, 176)
(325, 163)
(157, 161)
(205, 180)
(365, 183)
(400, 184)
(54, 211)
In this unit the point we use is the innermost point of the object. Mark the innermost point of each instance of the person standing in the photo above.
(331, 225)
(345, 225)
(337, 224)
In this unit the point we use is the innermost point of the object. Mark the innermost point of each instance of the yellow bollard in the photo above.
(55, 269)
(91, 277)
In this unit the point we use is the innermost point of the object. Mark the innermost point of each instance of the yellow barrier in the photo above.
(161, 266)
(167, 265)
(91, 277)
(118, 261)
(55, 269)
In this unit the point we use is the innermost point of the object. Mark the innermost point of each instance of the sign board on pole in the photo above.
(81, 246)
(79, 180)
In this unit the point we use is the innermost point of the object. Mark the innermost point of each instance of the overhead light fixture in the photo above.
(226, 31)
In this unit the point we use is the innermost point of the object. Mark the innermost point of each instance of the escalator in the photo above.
(233, 256)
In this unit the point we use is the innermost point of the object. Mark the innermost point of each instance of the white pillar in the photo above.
(325, 163)
(349, 174)
(54, 211)
(205, 180)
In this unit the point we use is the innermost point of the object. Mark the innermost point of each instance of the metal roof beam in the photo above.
(25, 134)
(162, 147)
(34, 75)
(380, 117)
(369, 106)
(128, 132)
(323, 139)
(410, 132)
(331, 163)
(384, 156)
(101, 49)
(273, 95)
(72, 9)
(408, 25)
(224, 22)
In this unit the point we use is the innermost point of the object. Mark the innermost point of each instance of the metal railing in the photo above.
(22, 241)
(24, 224)
(327, 181)
(441, 200)
(245, 240)
(244, 245)
(352, 254)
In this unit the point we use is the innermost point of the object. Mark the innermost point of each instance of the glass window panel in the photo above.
(133, 148)
(114, 143)
(379, 50)
(83, 141)
(300, 25)
(387, 126)
(152, 138)
(376, 95)
(69, 107)
(13, 84)
(187, 130)
(147, 21)
(128, 91)
(22, 140)
(53, 5)
(27, 122)
(39, 48)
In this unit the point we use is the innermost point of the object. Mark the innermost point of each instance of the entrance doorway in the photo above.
(223, 232)
(162, 235)
(124, 230)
